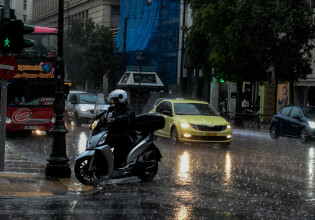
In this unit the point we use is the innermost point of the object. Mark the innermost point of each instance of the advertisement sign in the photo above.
(282, 95)
(42, 70)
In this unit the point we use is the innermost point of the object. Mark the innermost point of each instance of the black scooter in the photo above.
(97, 161)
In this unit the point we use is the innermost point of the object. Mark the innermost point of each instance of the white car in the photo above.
(80, 108)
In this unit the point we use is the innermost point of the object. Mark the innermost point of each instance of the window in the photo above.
(115, 16)
(25, 5)
(285, 111)
(73, 98)
(160, 107)
(295, 112)
(168, 106)
(87, 99)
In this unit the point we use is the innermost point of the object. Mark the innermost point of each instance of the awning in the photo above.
(305, 83)
(147, 77)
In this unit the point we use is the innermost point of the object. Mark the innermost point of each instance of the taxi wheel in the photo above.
(174, 136)
(303, 136)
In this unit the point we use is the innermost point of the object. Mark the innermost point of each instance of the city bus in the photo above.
(31, 92)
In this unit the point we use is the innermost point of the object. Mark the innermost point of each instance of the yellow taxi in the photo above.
(192, 121)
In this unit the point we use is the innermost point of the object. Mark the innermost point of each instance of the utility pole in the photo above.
(58, 166)
(4, 91)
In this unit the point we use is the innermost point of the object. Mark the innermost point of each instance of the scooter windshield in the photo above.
(101, 104)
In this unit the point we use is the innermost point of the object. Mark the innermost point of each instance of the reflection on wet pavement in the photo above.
(228, 166)
(184, 167)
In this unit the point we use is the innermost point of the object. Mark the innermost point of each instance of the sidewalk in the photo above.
(23, 177)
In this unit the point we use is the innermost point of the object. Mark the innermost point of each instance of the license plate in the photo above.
(30, 127)
(211, 134)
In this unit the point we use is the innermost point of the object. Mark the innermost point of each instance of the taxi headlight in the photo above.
(83, 109)
(311, 124)
(228, 126)
(184, 125)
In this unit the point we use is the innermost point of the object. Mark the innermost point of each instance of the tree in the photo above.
(77, 36)
(100, 55)
(241, 40)
(91, 53)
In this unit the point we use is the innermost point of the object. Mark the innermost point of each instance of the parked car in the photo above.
(192, 121)
(294, 121)
(80, 107)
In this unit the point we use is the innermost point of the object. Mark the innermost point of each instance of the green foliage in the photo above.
(99, 53)
(90, 53)
(240, 40)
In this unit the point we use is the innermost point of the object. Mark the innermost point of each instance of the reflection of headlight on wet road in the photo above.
(38, 132)
(184, 165)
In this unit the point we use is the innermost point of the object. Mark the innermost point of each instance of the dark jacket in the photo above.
(125, 119)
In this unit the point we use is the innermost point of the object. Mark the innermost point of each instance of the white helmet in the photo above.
(120, 94)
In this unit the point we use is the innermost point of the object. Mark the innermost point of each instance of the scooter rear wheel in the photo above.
(149, 172)
(86, 177)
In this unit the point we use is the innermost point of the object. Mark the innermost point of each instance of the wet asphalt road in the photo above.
(254, 178)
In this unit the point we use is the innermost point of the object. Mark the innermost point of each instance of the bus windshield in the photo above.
(30, 92)
(45, 46)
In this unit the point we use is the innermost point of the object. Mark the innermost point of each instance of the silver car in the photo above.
(80, 108)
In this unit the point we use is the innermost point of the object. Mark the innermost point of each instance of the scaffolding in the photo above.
(152, 26)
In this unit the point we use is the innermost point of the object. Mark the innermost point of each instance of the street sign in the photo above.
(8, 67)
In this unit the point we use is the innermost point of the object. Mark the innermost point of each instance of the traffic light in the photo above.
(12, 36)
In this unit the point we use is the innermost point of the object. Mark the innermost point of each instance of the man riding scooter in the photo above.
(121, 126)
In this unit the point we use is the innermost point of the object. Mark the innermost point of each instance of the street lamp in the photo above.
(58, 166)
(140, 56)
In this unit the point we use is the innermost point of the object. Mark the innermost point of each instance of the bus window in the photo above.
(45, 46)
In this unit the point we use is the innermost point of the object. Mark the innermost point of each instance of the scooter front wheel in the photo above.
(92, 177)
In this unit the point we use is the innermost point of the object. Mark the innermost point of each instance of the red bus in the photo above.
(31, 92)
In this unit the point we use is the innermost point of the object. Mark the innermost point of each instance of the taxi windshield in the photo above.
(194, 109)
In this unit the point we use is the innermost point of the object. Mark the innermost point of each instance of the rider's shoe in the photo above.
(123, 166)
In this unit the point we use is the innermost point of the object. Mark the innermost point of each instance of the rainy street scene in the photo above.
(254, 178)
(157, 109)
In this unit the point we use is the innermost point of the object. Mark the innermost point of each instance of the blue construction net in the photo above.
(152, 26)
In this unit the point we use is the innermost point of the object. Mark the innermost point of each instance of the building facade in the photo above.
(103, 12)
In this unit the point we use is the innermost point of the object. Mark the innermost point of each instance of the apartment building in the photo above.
(103, 12)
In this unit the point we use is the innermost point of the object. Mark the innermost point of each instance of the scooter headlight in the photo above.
(102, 140)
(94, 124)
